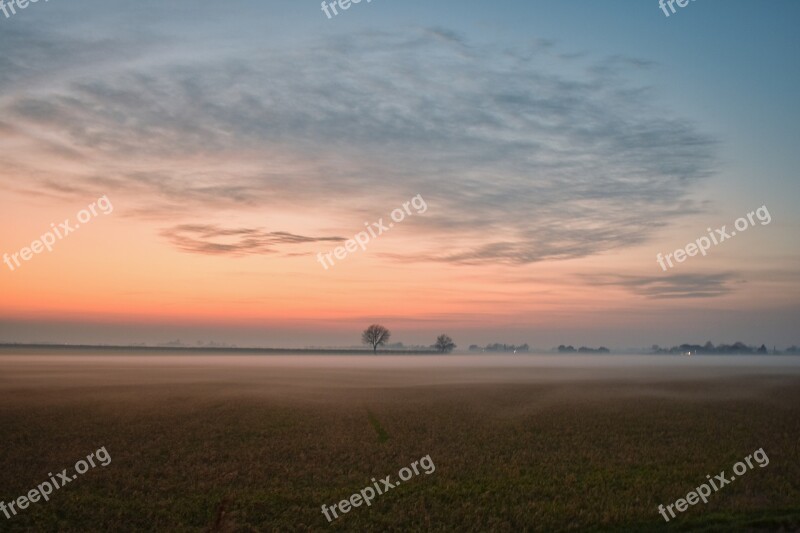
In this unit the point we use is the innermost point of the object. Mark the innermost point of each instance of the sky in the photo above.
(546, 153)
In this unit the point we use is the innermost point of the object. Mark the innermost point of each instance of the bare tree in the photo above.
(375, 335)
(444, 344)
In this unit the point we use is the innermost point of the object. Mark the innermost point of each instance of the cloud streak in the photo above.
(675, 286)
(214, 240)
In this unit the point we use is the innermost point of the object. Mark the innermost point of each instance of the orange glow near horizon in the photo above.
(119, 269)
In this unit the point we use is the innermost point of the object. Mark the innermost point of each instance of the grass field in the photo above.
(258, 444)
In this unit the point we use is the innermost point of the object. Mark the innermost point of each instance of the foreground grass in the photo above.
(226, 456)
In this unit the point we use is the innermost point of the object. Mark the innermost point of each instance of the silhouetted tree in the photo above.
(375, 335)
(444, 344)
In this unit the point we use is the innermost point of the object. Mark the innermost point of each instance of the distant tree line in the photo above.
(582, 349)
(497, 347)
(377, 335)
(709, 349)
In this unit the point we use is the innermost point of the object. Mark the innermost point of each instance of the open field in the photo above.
(534, 443)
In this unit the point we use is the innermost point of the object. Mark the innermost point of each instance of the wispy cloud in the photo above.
(522, 161)
(214, 240)
(670, 286)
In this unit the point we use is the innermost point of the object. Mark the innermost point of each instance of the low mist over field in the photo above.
(258, 443)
